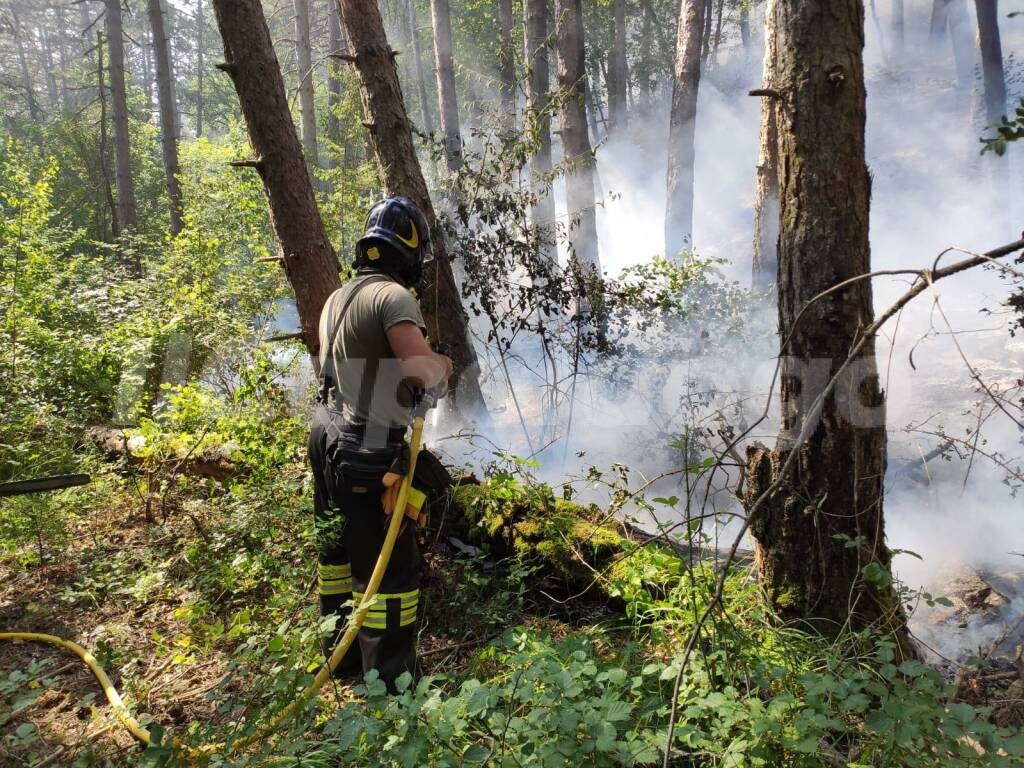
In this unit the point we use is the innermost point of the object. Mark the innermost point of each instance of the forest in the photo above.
(730, 464)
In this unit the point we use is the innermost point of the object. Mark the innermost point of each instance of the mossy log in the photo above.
(213, 461)
(579, 545)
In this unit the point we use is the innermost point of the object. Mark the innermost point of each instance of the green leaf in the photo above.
(476, 754)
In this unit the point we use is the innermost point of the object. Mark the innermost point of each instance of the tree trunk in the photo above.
(647, 57)
(576, 149)
(147, 72)
(101, 89)
(51, 76)
(766, 196)
(899, 32)
(126, 211)
(708, 16)
(718, 32)
(168, 111)
(507, 62)
(991, 59)
(618, 69)
(307, 108)
(538, 118)
(820, 532)
(309, 261)
(62, 58)
(200, 23)
(938, 22)
(392, 141)
(445, 68)
(682, 128)
(26, 76)
(421, 73)
(963, 42)
(745, 26)
(337, 47)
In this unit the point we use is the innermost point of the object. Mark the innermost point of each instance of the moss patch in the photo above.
(563, 537)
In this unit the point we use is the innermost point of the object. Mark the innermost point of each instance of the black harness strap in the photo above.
(328, 373)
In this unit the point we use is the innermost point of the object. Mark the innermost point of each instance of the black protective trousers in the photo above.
(348, 471)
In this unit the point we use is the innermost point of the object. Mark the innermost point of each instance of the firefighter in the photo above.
(374, 356)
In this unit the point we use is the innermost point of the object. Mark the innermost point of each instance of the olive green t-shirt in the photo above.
(368, 379)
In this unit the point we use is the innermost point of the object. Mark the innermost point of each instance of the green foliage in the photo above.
(1006, 132)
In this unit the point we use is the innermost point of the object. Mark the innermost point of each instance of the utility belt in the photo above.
(362, 468)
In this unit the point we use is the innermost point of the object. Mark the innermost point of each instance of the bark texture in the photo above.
(576, 149)
(447, 98)
(168, 111)
(682, 128)
(991, 59)
(618, 68)
(392, 142)
(309, 261)
(821, 531)
(125, 182)
(766, 196)
(307, 107)
(538, 119)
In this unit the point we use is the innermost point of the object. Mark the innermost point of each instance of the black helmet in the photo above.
(396, 240)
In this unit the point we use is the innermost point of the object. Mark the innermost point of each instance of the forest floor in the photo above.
(180, 609)
(121, 588)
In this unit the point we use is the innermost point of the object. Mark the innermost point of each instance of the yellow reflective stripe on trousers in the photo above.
(343, 571)
(339, 587)
(376, 616)
(334, 579)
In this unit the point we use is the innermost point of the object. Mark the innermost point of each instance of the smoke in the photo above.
(931, 190)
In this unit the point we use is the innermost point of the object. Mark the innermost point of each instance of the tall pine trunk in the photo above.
(307, 107)
(26, 75)
(682, 127)
(51, 75)
(390, 134)
(200, 55)
(963, 42)
(618, 69)
(538, 120)
(336, 49)
(820, 533)
(745, 26)
(445, 67)
(991, 59)
(421, 72)
(766, 195)
(306, 254)
(899, 32)
(506, 62)
(125, 182)
(101, 90)
(168, 111)
(62, 58)
(576, 149)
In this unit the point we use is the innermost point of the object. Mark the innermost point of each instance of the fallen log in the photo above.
(579, 545)
(212, 462)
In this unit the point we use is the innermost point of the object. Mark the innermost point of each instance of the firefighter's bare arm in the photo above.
(420, 365)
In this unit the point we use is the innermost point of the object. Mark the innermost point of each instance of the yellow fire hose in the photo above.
(351, 632)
